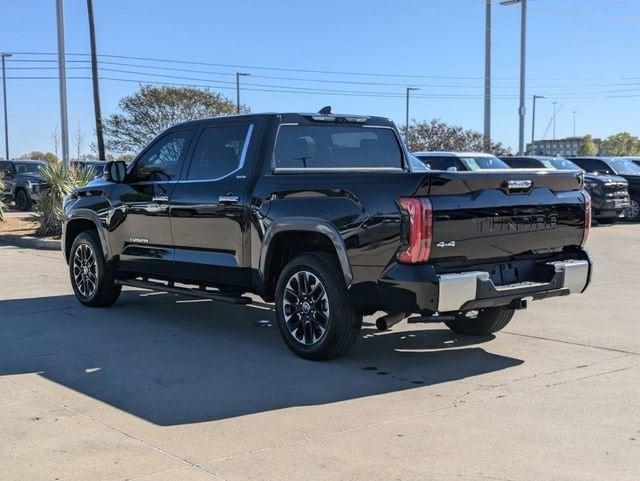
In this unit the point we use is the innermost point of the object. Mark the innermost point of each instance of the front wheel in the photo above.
(313, 309)
(632, 213)
(93, 281)
(23, 203)
(482, 322)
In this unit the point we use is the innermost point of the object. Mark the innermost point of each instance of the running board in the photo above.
(196, 292)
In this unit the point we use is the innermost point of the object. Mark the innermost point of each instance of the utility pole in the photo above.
(523, 57)
(487, 77)
(62, 76)
(238, 75)
(533, 122)
(574, 123)
(406, 123)
(4, 101)
(96, 85)
(555, 111)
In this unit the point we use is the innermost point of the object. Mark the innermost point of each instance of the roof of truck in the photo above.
(452, 154)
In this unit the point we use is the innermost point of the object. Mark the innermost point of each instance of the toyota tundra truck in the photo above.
(325, 216)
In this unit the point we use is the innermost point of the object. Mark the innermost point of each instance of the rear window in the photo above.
(331, 146)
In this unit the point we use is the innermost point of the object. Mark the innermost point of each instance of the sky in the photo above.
(355, 55)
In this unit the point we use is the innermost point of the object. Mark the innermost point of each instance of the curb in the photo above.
(30, 242)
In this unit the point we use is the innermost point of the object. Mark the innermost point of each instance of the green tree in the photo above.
(152, 109)
(437, 135)
(621, 144)
(589, 147)
(37, 155)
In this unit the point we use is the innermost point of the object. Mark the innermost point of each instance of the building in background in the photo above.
(560, 147)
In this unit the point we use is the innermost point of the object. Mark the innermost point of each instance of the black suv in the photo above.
(22, 181)
(619, 166)
(323, 215)
(609, 194)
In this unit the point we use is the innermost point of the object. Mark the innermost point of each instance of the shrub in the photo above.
(57, 182)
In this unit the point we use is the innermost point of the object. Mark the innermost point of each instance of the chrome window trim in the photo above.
(243, 157)
(290, 170)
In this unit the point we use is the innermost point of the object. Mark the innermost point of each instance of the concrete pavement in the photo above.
(162, 387)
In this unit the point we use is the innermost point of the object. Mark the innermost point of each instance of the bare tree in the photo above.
(78, 140)
(55, 139)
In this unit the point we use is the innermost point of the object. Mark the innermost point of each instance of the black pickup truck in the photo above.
(323, 215)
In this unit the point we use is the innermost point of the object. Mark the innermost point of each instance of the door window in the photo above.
(161, 161)
(219, 152)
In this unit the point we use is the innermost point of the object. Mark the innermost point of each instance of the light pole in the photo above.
(62, 76)
(406, 122)
(96, 85)
(555, 111)
(574, 123)
(238, 75)
(523, 56)
(487, 76)
(533, 122)
(4, 100)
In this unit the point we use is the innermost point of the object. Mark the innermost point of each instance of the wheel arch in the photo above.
(308, 234)
(80, 222)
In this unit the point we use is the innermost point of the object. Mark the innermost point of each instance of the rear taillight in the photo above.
(587, 217)
(420, 232)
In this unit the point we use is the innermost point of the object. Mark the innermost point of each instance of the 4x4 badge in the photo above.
(446, 244)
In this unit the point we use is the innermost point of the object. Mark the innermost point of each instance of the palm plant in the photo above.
(57, 182)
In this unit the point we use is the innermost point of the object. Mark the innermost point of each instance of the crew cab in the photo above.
(609, 193)
(22, 182)
(621, 167)
(460, 161)
(323, 215)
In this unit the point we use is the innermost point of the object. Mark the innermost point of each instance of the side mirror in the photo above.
(452, 169)
(115, 171)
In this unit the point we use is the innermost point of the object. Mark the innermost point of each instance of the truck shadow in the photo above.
(172, 360)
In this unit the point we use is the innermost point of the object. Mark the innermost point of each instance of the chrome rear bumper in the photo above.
(472, 289)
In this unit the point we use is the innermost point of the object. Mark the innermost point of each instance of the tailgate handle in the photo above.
(519, 185)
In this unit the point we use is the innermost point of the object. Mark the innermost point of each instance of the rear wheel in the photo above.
(93, 281)
(313, 309)
(632, 213)
(22, 201)
(482, 322)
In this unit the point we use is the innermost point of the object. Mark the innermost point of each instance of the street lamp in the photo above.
(533, 122)
(62, 81)
(238, 75)
(4, 97)
(406, 123)
(555, 112)
(523, 52)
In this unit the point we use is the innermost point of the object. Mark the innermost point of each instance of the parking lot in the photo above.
(161, 387)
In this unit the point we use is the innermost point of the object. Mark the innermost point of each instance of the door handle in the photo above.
(160, 198)
(228, 199)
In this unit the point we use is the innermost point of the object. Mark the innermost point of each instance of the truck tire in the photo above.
(313, 308)
(488, 321)
(23, 203)
(93, 281)
(632, 213)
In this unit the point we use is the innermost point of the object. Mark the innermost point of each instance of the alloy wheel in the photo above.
(85, 270)
(306, 308)
(633, 211)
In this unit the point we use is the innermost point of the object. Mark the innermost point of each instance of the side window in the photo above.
(602, 168)
(160, 162)
(218, 152)
(442, 163)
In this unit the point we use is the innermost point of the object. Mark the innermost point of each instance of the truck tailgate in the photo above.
(497, 214)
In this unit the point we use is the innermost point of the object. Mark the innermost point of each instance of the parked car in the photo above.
(22, 182)
(609, 193)
(619, 166)
(96, 166)
(460, 161)
(321, 214)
